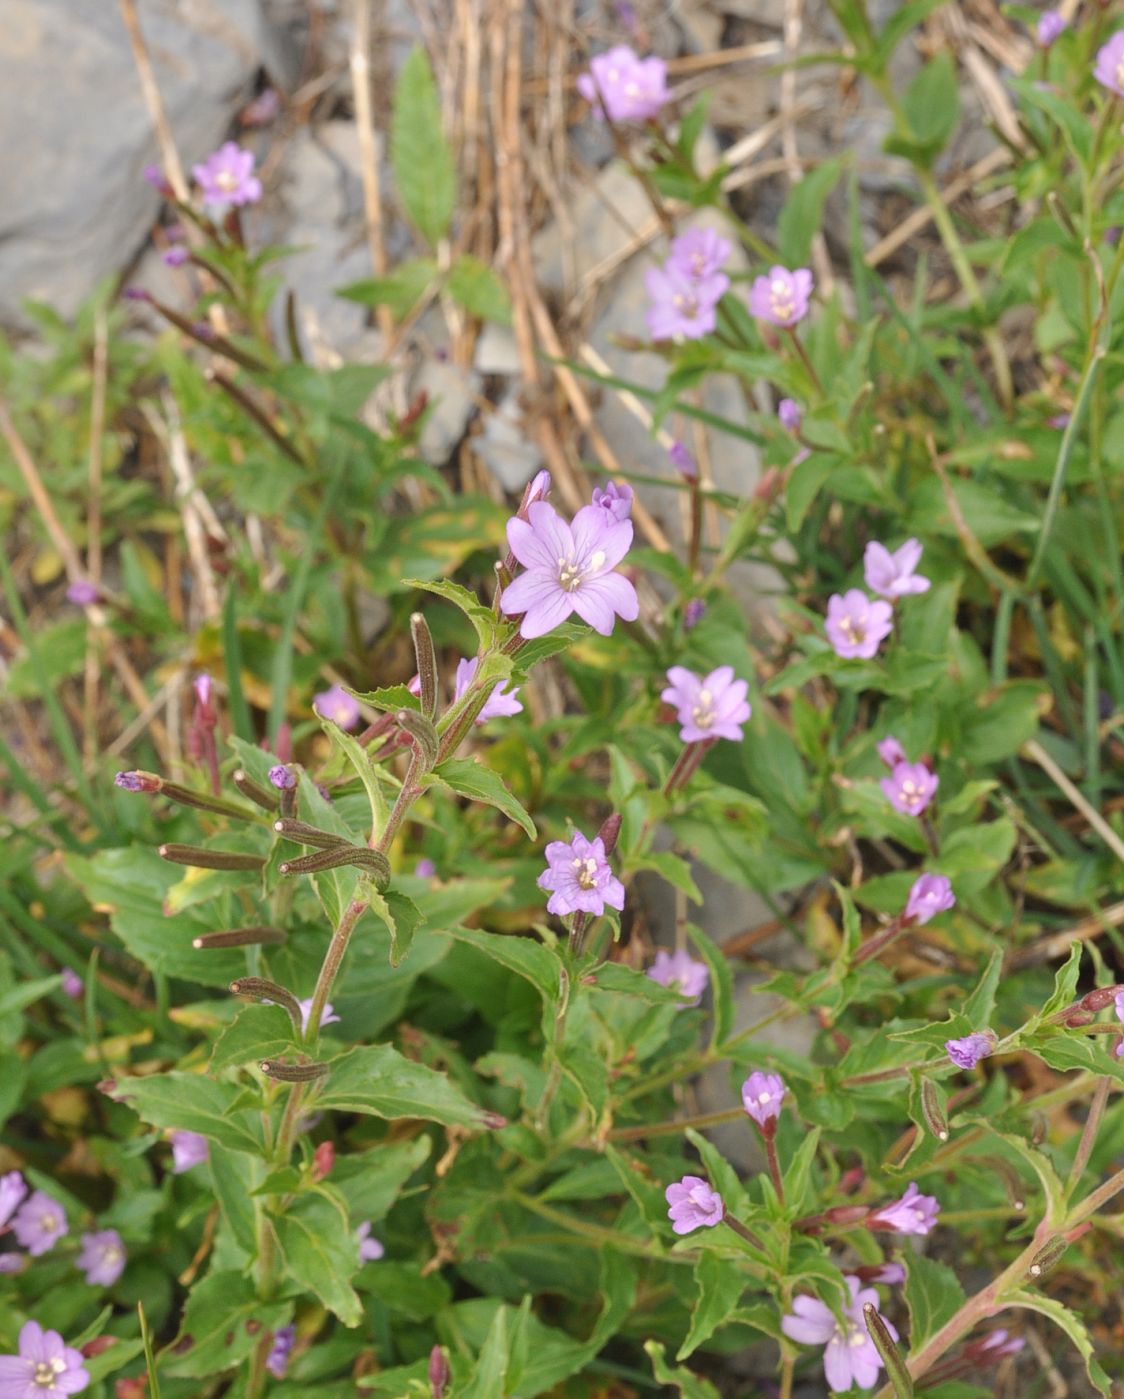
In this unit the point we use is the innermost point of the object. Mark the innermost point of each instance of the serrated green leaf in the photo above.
(476, 287)
(933, 1294)
(257, 1032)
(720, 1283)
(401, 289)
(1072, 1325)
(401, 917)
(321, 1253)
(192, 1103)
(423, 164)
(469, 777)
(222, 1323)
(481, 617)
(376, 1079)
(529, 959)
(689, 1386)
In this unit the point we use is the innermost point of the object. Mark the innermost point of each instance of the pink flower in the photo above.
(227, 176)
(789, 414)
(72, 984)
(188, 1149)
(45, 1366)
(709, 706)
(102, 1257)
(914, 1213)
(781, 298)
(855, 625)
(327, 1015)
(1119, 1004)
(892, 575)
(569, 569)
(278, 1360)
(910, 788)
(624, 86)
(699, 253)
(890, 751)
(1109, 68)
(176, 255)
(370, 1249)
(498, 705)
(425, 868)
(13, 1188)
(39, 1223)
(615, 498)
(582, 880)
(682, 308)
(887, 1273)
(931, 894)
(680, 969)
(692, 1204)
(692, 613)
(338, 706)
(762, 1097)
(850, 1356)
(1050, 26)
(83, 593)
(967, 1052)
(282, 776)
(682, 460)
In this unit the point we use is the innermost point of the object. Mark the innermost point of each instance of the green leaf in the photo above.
(689, 1386)
(100, 1366)
(933, 1294)
(1073, 1327)
(1039, 1163)
(234, 1178)
(401, 917)
(400, 289)
(930, 108)
(364, 769)
(614, 976)
(423, 164)
(390, 698)
(477, 288)
(1065, 984)
(721, 985)
(257, 1032)
(1000, 727)
(490, 1371)
(527, 958)
(370, 1181)
(671, 867)
(721, 1282)
(804, 482)
(376, 1079)
(321, 1253)
(481, 617)
(802, 215)
(980, 1005)
(798, 1172)
(194, 1104)
(468, 777)
(223, 1321)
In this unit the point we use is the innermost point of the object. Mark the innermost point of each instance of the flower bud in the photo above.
(323, 1159)
(138, 781)
(1100, 998)
(438, 1371)
(610, 832)
(1047, 1257)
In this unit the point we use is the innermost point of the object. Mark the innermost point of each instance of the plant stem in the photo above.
(328, 971)
(774, 1167)
(1088, 1134)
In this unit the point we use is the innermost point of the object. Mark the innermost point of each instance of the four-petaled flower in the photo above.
(39, 1223)
(615, 498)
(910, 787)
(681, 307)
(856, 625)
(45, 1366)
(680, 969)
(624, 86)
(227, 176)
(13, 1188)
(569, 568)
(789, 414)
(278, 1360)
(579, 873)
(709, 706)
(781, 298)
(850, 1356)
(188, 1149)
(499, 704)
(692, 1204)
(370, 1248)
(102, 1257)
(699, 253)
(1051, 24)
(966, 1053)
(327, 1015)
(763, 1097)
(894, 575)
(338, 706)
(931, 894)
(914, 1213)
(1109, 68)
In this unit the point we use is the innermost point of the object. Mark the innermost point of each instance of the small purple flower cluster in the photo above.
(44, 1365)
(38, 1221)
(781, 297)
(686, 290)
(624, 87)
(857, 625)
(850, 1356)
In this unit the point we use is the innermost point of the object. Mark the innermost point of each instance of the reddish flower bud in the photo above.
(323, 1159)
(438, 1372)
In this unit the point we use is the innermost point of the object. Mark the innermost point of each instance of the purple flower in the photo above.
(910, 788)
(13, 1188)
(850, 1356)
(893, 575)
(997, 1344)
(1050, 25)
(278, 1361)
(579, 873)
(781, 298)
(931, 894)
(11, 1262)
(709, 706)
(327, 1015)
(692, 1204)
(39, 1223)
(72, 984)
(498, 705)
(425, 868)
(615, 499)
(282, 777)
(855, 625)
(137, 781)
(370, 1249)
(692, 612)
(682, 460)
(1059, 421)
(338, 706)
(537, 489)
(44, 1366)
(699, 253)
(569, 568)
(1119, 1005)
(887, 1273)
(82, 592)
(890, 751)
(914, 1213)
(155, 177)
(682, 309)
(968, 1052)
(762, 1097)
(260, 112)
(102, 1257)
(628, 87)
(188, 1149)
(790, 414)
(680, 969)
(227, 176)
(176, 255)
(1110, 64)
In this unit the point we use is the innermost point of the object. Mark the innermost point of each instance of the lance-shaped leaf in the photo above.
(321, 1253)
(223, 1321)
(258, 1032)
(376, 1079)
(470, 778)
(191, 1103)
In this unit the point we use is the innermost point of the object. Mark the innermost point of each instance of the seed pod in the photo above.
(304, 834)
(423, 734)
(427, 663)
(292, 1073)
(264, 797)
(202, 801)
(257, 988)
(240, 937)
(1047, 1257)
(610, 831)
(932, 1109)
(373, 861)
(896, 1370)
(202, 859)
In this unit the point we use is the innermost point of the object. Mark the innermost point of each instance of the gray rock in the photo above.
(504, 446)
(452, 392)
(74, 205)
(496, 350)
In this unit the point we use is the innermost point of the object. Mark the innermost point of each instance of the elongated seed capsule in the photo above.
(239, 937)
(210, 859)
(292, 1073)
(424, 735)
(304, 834)
(932, 1109)
(265, 797)
(1047, 1257)
(357, 855)
(257, 988)
(202, 801)
(427, 663)
(896, 1370)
